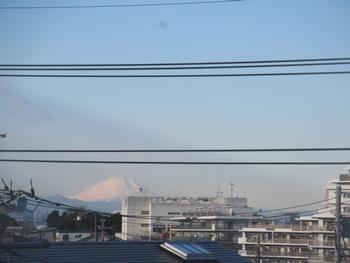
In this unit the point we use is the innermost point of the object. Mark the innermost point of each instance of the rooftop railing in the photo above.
(279, 241)
(289, 227)
(280, 254)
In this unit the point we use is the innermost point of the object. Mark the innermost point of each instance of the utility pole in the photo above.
(338, 234)
(170, 232)
(102, 226)
(95, 227)
(258, 251)
(219, 192)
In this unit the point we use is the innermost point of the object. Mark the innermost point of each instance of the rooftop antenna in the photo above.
(219, 192)
(32, 192)
(231, 185)
(5, 185)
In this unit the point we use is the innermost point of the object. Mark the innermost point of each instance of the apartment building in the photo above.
(142, 212)
(310, 240)
(224, 229)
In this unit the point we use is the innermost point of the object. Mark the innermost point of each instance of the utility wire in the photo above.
(120, 5)
(101, 68)
(172, 220)
(182, 63)
(156, 217)
(314, 149)
(173, 162)
(177, 75)
(286, 208)
(42, 202)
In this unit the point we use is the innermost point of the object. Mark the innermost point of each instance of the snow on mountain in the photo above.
(111, 189)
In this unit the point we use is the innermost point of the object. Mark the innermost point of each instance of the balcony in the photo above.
(325, 243)
(287, 228)
(279, 241)
(322, 259)
(291, 241)
(279, 254)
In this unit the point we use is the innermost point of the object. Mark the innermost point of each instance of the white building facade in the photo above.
(141, 212)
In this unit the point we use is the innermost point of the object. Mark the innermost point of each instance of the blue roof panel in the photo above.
(113, 252)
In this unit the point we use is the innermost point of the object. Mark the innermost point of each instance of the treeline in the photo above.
(86, 221)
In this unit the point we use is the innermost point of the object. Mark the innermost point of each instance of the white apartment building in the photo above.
(311, 240)
(174, 208)
(222, 228)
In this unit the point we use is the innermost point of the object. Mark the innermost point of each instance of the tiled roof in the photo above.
(116, 251)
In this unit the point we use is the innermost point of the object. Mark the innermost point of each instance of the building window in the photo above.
(174, 213)
(144, 225)
(346, 195)
(144, 212)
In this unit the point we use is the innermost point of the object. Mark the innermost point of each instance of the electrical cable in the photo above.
(315, 149)
(120, 5)
(173, 162)
(288, 208)
(182, 63)
(168, 68)
(272, 74)
(34, 209)
(168, 218)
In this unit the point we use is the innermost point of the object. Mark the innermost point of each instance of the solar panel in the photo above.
(189, 251)
(203, 250)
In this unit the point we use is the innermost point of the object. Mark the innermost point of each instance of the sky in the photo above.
(269, 112)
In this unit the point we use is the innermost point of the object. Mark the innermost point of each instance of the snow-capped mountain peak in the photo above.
(110, 189)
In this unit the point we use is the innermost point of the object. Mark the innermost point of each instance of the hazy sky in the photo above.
(303, 111)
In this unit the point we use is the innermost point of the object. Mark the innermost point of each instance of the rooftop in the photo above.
(115, 251)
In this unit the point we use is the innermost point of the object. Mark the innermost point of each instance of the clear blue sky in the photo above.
(308, 111)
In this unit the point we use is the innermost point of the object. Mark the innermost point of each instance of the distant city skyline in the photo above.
(298, 111)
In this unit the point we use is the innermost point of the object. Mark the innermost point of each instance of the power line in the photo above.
(172, 162)
(169, 219)
(181, 63)
(40, 201)
(288, 208)
(177, 75)
(114, 68)
(313, 149)
(55, 205)
(120, 5)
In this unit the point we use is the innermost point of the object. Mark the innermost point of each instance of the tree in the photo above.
(6, 221)
(68, 221)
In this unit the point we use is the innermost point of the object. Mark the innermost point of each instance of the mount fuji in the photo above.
(105, 196)
(113, 188)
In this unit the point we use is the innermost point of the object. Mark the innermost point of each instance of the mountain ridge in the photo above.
(113, 188)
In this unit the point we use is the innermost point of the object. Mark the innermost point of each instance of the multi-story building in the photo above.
(222, 228)
(310, 240)
(141, 213)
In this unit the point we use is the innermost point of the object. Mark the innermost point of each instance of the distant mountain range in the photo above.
(102, 206)
(105, 196)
